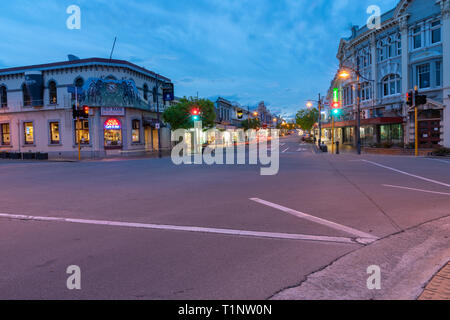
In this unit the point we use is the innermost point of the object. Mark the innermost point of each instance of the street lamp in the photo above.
(309, 104)
(345, 74)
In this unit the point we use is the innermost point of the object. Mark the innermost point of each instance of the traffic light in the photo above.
(409, 98)
(77, 113)
(336, 105)
(85, 112)
(240, 114)
(420, 99)
(336, 112)
(195, 113)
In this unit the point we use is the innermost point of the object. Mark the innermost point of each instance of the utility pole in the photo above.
(416, 123)
(358, 110)
(332, 134)
(158, 117)
(320, 120)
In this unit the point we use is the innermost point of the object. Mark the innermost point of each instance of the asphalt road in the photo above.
(243, 235)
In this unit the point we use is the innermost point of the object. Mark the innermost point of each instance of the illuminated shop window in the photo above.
(136, 131)
(82, 132)
(29, 132)
(54, 133)
(5, 134)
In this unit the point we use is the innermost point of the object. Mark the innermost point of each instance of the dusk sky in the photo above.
(282, 52)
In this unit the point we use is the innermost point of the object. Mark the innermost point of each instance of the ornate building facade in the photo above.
(411, 48)
(36, 108)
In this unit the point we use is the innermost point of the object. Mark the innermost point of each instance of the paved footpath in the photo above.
(408, 260)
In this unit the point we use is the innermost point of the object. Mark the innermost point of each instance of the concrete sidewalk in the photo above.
(408, 260)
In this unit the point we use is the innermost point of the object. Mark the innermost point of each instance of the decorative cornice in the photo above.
(445, 8)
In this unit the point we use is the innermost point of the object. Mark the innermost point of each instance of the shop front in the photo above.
(112, 129)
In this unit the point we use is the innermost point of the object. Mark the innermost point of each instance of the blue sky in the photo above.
(282, 52)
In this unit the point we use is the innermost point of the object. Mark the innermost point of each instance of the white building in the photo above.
(36, 108)
(411, 48)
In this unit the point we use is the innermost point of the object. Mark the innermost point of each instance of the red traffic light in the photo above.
(195, 111)
(409, 98)
(86, 109)
(336, 105)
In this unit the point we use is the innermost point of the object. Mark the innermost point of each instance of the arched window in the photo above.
(145, 92)
(391, 85)
(53, 92)
(26, 95)
(3, 97)
(111, 77)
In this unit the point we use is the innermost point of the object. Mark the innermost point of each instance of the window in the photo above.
(54, 133)
(26, 95)
(436, 32)
(366, 92)
(438, 74)
(391, 85)
(136, 131)
(423, 76)
(82, 131)
(3, 97)
(6, 135)
(53, 95)
(399, 44)
(417, 38)
(29, 132)
(145, 92)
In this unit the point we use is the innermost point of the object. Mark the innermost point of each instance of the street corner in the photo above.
(397, 267)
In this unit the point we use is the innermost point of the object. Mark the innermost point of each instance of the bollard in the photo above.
(337, 147)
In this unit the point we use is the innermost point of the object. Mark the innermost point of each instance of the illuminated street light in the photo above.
(309, 104)
(344, 74)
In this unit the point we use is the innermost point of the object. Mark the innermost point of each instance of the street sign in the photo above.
(157, 126)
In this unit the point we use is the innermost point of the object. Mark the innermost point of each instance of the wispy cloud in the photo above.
(279, 51)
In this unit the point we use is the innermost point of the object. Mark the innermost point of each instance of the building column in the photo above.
(403, 23)
(445, 8)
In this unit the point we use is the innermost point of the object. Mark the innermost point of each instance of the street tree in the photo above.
(251, 124)
(179, 116)
(307, 118)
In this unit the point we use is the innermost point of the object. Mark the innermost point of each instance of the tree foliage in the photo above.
(179, 115)
(307, 118)
(251, 124)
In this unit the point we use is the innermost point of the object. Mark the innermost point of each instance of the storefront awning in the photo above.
(365, 122)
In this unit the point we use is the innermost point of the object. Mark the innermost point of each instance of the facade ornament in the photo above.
(445, 8)
(403, 22)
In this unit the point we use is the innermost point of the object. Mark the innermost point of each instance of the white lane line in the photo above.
(408, 174)
(444, 161)
(285, 150)
(413, 189)
(302, 149)
(282, 144)
(327, 223)
(245, 233)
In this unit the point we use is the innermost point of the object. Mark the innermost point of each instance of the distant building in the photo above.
(36, 108)
(412, 48)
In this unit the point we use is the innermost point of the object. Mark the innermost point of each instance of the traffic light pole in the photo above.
(78, 125)
(416, 124)
(158, 117)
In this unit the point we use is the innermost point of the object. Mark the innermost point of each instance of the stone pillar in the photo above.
(403, 24)
(445, 8)
(374, 71)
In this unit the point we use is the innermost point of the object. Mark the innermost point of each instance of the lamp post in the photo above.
(345, 75)
(309, 105)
